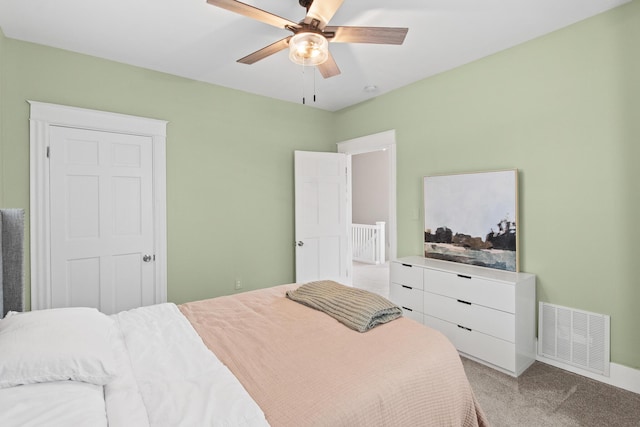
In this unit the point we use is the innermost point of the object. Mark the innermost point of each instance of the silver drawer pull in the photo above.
(406, 287)
(464, 302)
(463, 276)
(405, 308)
(466, 329)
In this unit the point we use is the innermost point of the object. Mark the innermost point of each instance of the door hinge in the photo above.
(48, 152)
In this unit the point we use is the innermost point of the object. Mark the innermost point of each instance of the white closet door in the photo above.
(101, 193)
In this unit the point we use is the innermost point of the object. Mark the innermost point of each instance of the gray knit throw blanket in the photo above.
(358, 309)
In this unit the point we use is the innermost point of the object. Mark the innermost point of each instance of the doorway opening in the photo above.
(373, 209)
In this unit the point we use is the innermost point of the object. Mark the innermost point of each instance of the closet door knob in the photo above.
(147, 258)
(300, 243)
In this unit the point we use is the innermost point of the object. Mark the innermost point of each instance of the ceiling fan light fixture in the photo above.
(308, 48)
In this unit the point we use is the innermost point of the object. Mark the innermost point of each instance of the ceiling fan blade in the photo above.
(266, 51)
(253, 13)
(323, 11)
(329, 68)
(377, 35)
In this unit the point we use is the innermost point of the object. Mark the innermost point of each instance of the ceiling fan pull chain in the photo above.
(303, 100)
(314, 85)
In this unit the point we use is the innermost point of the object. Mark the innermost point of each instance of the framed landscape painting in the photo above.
(472, 218)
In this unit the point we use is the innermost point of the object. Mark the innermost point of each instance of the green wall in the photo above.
(229, 160)
(2, 157)
(565, 110)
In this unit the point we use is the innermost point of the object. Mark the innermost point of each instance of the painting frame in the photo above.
(472, 218)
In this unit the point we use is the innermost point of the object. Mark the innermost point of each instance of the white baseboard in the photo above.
(619, 375)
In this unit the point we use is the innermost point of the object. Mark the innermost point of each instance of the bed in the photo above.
(252, 359)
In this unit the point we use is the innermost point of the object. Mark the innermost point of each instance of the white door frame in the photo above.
(376, 142)
(43, 116)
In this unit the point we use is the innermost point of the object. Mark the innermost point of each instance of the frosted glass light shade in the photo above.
(308, 49)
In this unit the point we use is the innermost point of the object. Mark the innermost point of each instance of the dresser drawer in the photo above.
(406, 297)
(476, 344)
(475, 317)
(490, 349)
(448, 329)
(475, 290)
(412, 314)
(406, 274)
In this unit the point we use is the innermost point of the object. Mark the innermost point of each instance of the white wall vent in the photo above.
(578, 338)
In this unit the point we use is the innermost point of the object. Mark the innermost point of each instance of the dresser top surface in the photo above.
(465, 269)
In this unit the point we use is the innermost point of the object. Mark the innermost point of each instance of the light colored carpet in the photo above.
(545, 396)
(371, 277)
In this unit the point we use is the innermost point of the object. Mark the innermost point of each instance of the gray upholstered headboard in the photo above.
(11, 260)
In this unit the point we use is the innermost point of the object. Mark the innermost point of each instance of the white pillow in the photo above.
(56, 345)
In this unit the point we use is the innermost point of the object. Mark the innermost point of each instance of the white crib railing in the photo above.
(368, 242)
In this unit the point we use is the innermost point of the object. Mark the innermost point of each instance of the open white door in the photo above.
(322, 216)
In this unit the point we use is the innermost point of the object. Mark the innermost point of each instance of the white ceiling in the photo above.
(193, 39)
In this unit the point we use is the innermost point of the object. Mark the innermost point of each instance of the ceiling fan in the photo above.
(309, 43)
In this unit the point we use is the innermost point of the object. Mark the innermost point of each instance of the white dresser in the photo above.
(488, 314)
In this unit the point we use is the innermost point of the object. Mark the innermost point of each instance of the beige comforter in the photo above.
(304, 368)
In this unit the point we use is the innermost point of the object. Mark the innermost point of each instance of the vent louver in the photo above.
(578, 338)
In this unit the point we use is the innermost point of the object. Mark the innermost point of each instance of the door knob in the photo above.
(300, 243)
(147, 258)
